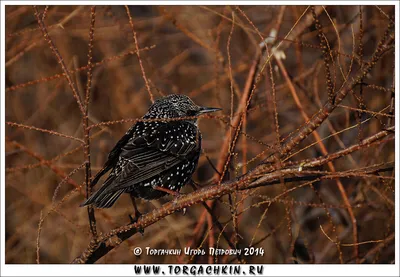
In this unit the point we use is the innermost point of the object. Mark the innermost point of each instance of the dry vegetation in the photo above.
(308, 115)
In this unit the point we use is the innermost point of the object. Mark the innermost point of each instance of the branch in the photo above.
(103, 244)
(59, 59)
(85, 123)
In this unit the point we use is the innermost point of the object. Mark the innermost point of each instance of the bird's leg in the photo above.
(137, 214)
(194, 185)
(171, 192)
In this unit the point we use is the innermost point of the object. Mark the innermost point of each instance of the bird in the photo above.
(156, 156)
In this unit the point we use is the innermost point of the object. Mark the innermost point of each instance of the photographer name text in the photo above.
(248, 251)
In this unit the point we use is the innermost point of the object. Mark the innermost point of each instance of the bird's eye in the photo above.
(191, 113)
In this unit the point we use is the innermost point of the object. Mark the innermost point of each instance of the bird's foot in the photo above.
(134, 220)
(194, 185)
(137, 214)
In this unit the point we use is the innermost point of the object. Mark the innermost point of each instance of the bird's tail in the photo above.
(104, 197)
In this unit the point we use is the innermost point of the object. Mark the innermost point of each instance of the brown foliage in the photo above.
(300, 162)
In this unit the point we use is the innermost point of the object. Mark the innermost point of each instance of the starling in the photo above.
(154, 157)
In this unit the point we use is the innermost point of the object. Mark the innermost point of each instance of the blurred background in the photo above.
(204, 52)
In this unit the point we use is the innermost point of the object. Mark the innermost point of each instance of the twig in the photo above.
(38, 237)
(59, 58)
(85, 124)
(51, 132)
(138, 54)
(57, 76)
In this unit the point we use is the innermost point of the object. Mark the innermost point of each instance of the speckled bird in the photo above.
(153, 158)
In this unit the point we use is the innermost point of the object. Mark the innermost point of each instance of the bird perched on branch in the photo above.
(156, 156)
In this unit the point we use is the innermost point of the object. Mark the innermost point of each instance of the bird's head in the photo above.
(177, 105)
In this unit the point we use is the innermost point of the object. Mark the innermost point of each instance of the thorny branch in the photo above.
(85, 123)
(99, 247)
(216, 191)
(287, 166)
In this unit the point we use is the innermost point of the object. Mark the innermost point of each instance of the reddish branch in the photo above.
(99, 247)
(318, 118)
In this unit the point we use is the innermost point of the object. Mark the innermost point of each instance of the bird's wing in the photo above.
(154, 150)
(112, 158)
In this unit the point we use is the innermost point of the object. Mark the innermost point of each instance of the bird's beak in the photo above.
(204, 110)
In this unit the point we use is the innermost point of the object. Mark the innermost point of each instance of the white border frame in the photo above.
(127, 270)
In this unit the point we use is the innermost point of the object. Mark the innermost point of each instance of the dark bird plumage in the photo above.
(153, 154)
